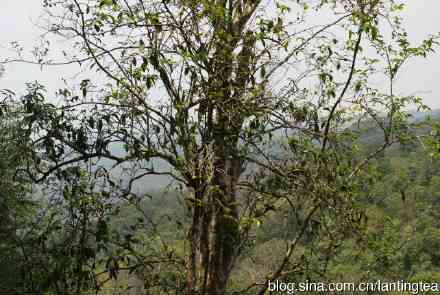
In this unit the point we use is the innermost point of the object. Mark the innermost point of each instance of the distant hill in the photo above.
(369, 135)
(418, 116)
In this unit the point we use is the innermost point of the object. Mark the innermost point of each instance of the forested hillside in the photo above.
(398, 236)
(218, 147)
(398, 239)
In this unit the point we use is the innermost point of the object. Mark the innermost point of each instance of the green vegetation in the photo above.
(315, 173)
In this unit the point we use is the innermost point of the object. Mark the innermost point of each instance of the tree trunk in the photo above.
(214, 234)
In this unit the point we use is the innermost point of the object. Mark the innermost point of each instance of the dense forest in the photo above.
(219, 147)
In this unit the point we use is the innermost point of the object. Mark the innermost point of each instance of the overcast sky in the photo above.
(17, 17)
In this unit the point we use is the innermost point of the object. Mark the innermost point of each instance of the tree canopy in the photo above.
(249, 107)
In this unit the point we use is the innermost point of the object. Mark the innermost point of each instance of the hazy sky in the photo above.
(17, 17)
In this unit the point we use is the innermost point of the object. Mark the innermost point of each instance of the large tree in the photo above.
(251, 104)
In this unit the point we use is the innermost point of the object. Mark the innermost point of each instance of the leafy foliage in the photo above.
(198, 87)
